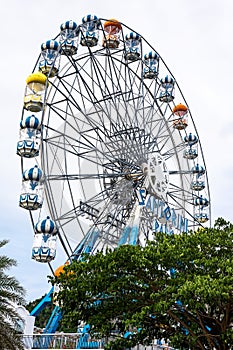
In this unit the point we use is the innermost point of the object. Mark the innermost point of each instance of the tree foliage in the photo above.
(10, 293)
(177, 287)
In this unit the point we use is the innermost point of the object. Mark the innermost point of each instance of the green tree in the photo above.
(10, 292)
(177, 287)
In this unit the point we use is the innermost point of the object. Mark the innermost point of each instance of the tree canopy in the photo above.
(10, 293)
(177, 287)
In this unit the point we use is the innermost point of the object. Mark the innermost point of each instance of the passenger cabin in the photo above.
(132, 46)
(90, 31)
(191, 142)
(201, 213)
(44, 243)
(31, 197)
(68, 38)
(34, 94)
(49, 61)
(112, 33)
(151, 65)
(180, 113)
(167, 91)
(28, 145)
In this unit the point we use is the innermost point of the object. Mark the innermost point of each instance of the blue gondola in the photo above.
(90, 35)
(28, 145)
(191, 150)
(31, 197)
(151, 65)
(44, 243)
(167, 91)
(132, 46)
(50, 58)
(68, 38)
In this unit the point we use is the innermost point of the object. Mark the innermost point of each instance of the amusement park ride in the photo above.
(109, 150)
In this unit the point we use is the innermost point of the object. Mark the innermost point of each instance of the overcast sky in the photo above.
(195, 40)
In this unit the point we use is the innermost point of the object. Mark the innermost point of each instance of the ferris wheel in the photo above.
(109, 150)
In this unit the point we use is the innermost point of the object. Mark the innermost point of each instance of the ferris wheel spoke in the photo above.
(103, 75)
(85, 176)
(64, 93)
(170, 153)
(130, 80)
(81, 149)
(115, 74)
(104, 220)
(97, 125)
(168, 147)
(176, 189)
(89, 92)
(184, 208)
(113, 95)
(66, 116)
(180, 172)
(152, 114)
(85, 208)
(55, 212)
(163, 134)
(181, 194)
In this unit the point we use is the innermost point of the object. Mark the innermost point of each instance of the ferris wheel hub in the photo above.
(157, 180)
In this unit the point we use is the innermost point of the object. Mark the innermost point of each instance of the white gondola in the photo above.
(44, 243)
(198, 181)
(190, 153)
(112, 33)
(132, 46)
(191, 150)
(202, 216)
(151, 65)
(167, 91)
(198, 169)
(34, 94)
(201, 202)
(68, 38)
(28, 145)
(201, 212)
(90, 35)
(31, 197)
(50, 58)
